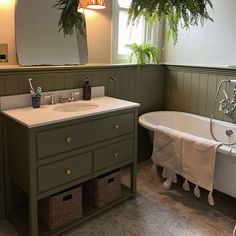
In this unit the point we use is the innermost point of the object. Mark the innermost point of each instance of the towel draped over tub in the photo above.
(187, 155)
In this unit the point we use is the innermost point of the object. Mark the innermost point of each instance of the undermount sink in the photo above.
(75, 107)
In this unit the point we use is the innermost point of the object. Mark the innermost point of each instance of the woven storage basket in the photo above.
(60, 209)
(103, 190)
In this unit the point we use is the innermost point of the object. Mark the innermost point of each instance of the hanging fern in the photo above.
(145, 52)
(183, 13)
(70, 19)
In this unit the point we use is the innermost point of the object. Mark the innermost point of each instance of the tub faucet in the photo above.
(227, 105)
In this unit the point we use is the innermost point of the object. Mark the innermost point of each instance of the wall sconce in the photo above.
(91, 4)
(96, 4)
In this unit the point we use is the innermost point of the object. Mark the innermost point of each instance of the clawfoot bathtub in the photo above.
(225, 169)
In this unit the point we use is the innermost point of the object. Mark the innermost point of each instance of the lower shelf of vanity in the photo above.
(19, 216)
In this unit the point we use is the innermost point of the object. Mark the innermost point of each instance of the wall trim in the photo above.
(17, 69)
(202, 70)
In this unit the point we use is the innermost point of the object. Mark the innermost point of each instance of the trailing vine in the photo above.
(183, 13)
(70, 19)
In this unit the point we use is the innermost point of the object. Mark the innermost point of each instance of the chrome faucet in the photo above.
(227, 105)
(51, 99)
(64, 99)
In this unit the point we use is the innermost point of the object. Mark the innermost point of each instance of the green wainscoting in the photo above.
(140, 85)
(193, 89)
(186, 88)
(143, 85)
(2, 202)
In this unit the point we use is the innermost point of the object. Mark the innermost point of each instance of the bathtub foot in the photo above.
(167, 184)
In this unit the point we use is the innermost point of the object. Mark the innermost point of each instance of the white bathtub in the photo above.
(225, 172)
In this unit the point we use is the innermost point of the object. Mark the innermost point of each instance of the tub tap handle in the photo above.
(225, 94)
(234, 92)
(220, 107)
(229, 132)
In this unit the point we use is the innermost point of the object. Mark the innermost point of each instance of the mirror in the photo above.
(38, 40)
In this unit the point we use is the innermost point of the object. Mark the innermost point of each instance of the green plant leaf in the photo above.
(70, 19)
(143, 53)
(180, 13)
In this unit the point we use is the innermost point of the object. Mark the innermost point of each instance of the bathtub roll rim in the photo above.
(227, 150)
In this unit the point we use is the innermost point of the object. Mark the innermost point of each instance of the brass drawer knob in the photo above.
(117, 126)
(67, 171)
(116, 155)
(68, 139)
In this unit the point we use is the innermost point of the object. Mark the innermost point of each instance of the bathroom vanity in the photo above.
(51, 149)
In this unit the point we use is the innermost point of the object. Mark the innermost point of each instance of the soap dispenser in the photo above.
(86, 90)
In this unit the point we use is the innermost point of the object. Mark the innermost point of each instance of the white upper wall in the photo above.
(214, 44)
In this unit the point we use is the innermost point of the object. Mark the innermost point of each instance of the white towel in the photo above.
(188, 155)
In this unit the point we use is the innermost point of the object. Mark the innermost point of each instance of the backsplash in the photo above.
(24, 100)
(193, 89)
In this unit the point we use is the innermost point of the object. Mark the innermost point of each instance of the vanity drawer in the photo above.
(64, 139)
(113, 154)
(64, 171)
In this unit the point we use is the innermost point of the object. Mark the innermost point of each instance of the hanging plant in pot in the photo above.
(71, 20)
(183, 13)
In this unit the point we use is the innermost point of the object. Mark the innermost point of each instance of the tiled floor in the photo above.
(158, 212)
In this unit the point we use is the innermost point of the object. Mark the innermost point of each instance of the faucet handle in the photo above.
(72, 98)
(51, 97)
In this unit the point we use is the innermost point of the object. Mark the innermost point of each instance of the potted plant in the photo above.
(178, 13)
(70, 19)
(143, 53)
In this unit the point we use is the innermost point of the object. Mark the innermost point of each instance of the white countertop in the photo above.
(45, 115)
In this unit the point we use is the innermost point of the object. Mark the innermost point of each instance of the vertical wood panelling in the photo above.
(169, 90)
(219, 114)
(11, 85)
(211, 92)
(194, 93)
(48, 84)
(131, 83)
(2, 195)
(187, 91)
(193, 90)
(179, 81)
(202, 95)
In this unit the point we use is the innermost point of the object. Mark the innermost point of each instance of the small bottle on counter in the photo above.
(86, 90)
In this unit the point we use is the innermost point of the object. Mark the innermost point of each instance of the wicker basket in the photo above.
(60, 209)
(103, 190)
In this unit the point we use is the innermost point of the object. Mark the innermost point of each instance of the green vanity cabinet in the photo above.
(51, 158)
